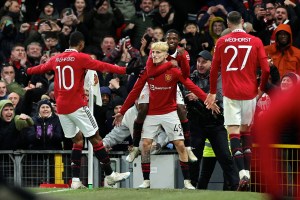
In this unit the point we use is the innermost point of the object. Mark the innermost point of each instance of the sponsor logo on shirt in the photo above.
(153, 87)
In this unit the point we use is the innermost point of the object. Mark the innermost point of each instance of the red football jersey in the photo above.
(183, 62)
(239, 54)
(163, 90)
(69, 68)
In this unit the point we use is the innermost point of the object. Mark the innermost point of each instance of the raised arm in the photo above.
(193, 88)
(40, 69)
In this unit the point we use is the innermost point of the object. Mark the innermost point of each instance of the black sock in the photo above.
(146, 170)
(185, 168)
(102, 156)
(246, 144)
(186, 132)
(137, 132)
(237, 151)
(76, 160)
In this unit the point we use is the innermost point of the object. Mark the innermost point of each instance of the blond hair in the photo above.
(161, 46)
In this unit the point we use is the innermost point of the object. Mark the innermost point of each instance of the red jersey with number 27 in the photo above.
(239, 54)
(69, 68)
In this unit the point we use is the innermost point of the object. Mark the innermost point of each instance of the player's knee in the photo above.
(78, 139)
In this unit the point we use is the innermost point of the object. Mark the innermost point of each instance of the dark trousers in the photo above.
(217, 135)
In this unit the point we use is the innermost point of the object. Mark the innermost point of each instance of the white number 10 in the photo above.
(61, 77)
(235, 49)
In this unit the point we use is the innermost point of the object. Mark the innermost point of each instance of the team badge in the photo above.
(168, 77)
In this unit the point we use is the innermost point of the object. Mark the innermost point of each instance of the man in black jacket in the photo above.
(205, 125)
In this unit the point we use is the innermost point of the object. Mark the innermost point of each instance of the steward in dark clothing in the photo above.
(205, 125)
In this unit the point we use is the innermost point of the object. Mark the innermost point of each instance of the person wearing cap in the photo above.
(11, 126)
(48, 11)
(47, 133)
(205, 125)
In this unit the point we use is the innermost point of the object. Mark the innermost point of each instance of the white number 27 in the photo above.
(235, 49)
(61, 76)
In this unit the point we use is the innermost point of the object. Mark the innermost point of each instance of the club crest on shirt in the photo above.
(168, 77)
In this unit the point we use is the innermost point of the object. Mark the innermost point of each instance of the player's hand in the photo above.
(259, 93)
(215, 109)
(118, 119)
(191, 97)
(174, 63)
(210, 100)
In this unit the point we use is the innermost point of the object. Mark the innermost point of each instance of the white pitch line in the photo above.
(54, 191)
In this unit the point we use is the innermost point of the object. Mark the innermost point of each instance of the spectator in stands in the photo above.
(16, 101)
(49, 11)
(264, 20)
(80, 9)
(284, 55)
(101, 22)
(3, 90)
(9, 35)
(101, 115)
(51, 41)
(8, 76)
(12, 8)
(205, 125)
(216, 27)
(164, 18)
(47, 133)
(43, 27)
(210, 13)
(155, 35)
(18, 59)
(127, 7)
(194, 42)
(11, 126)
(139, 23)
(115, 106)
(34, 53)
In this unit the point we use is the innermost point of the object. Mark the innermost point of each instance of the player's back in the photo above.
(238, 54)
(69, 80)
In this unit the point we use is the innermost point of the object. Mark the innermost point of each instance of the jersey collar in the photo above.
(71, 50)
(238, 30)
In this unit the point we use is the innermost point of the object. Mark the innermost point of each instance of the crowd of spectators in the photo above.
(115, 32)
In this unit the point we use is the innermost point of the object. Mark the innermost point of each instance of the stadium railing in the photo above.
(285, 166)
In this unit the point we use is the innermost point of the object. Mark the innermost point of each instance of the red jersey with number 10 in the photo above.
(69, 68)
(239, 54)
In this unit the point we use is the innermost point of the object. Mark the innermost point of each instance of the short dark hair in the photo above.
(234, 17)
(75, 38)
(173, 31)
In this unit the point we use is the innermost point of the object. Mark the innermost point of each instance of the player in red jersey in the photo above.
(74, 115)
(239, 54)
(162, 109)
(182, 58)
